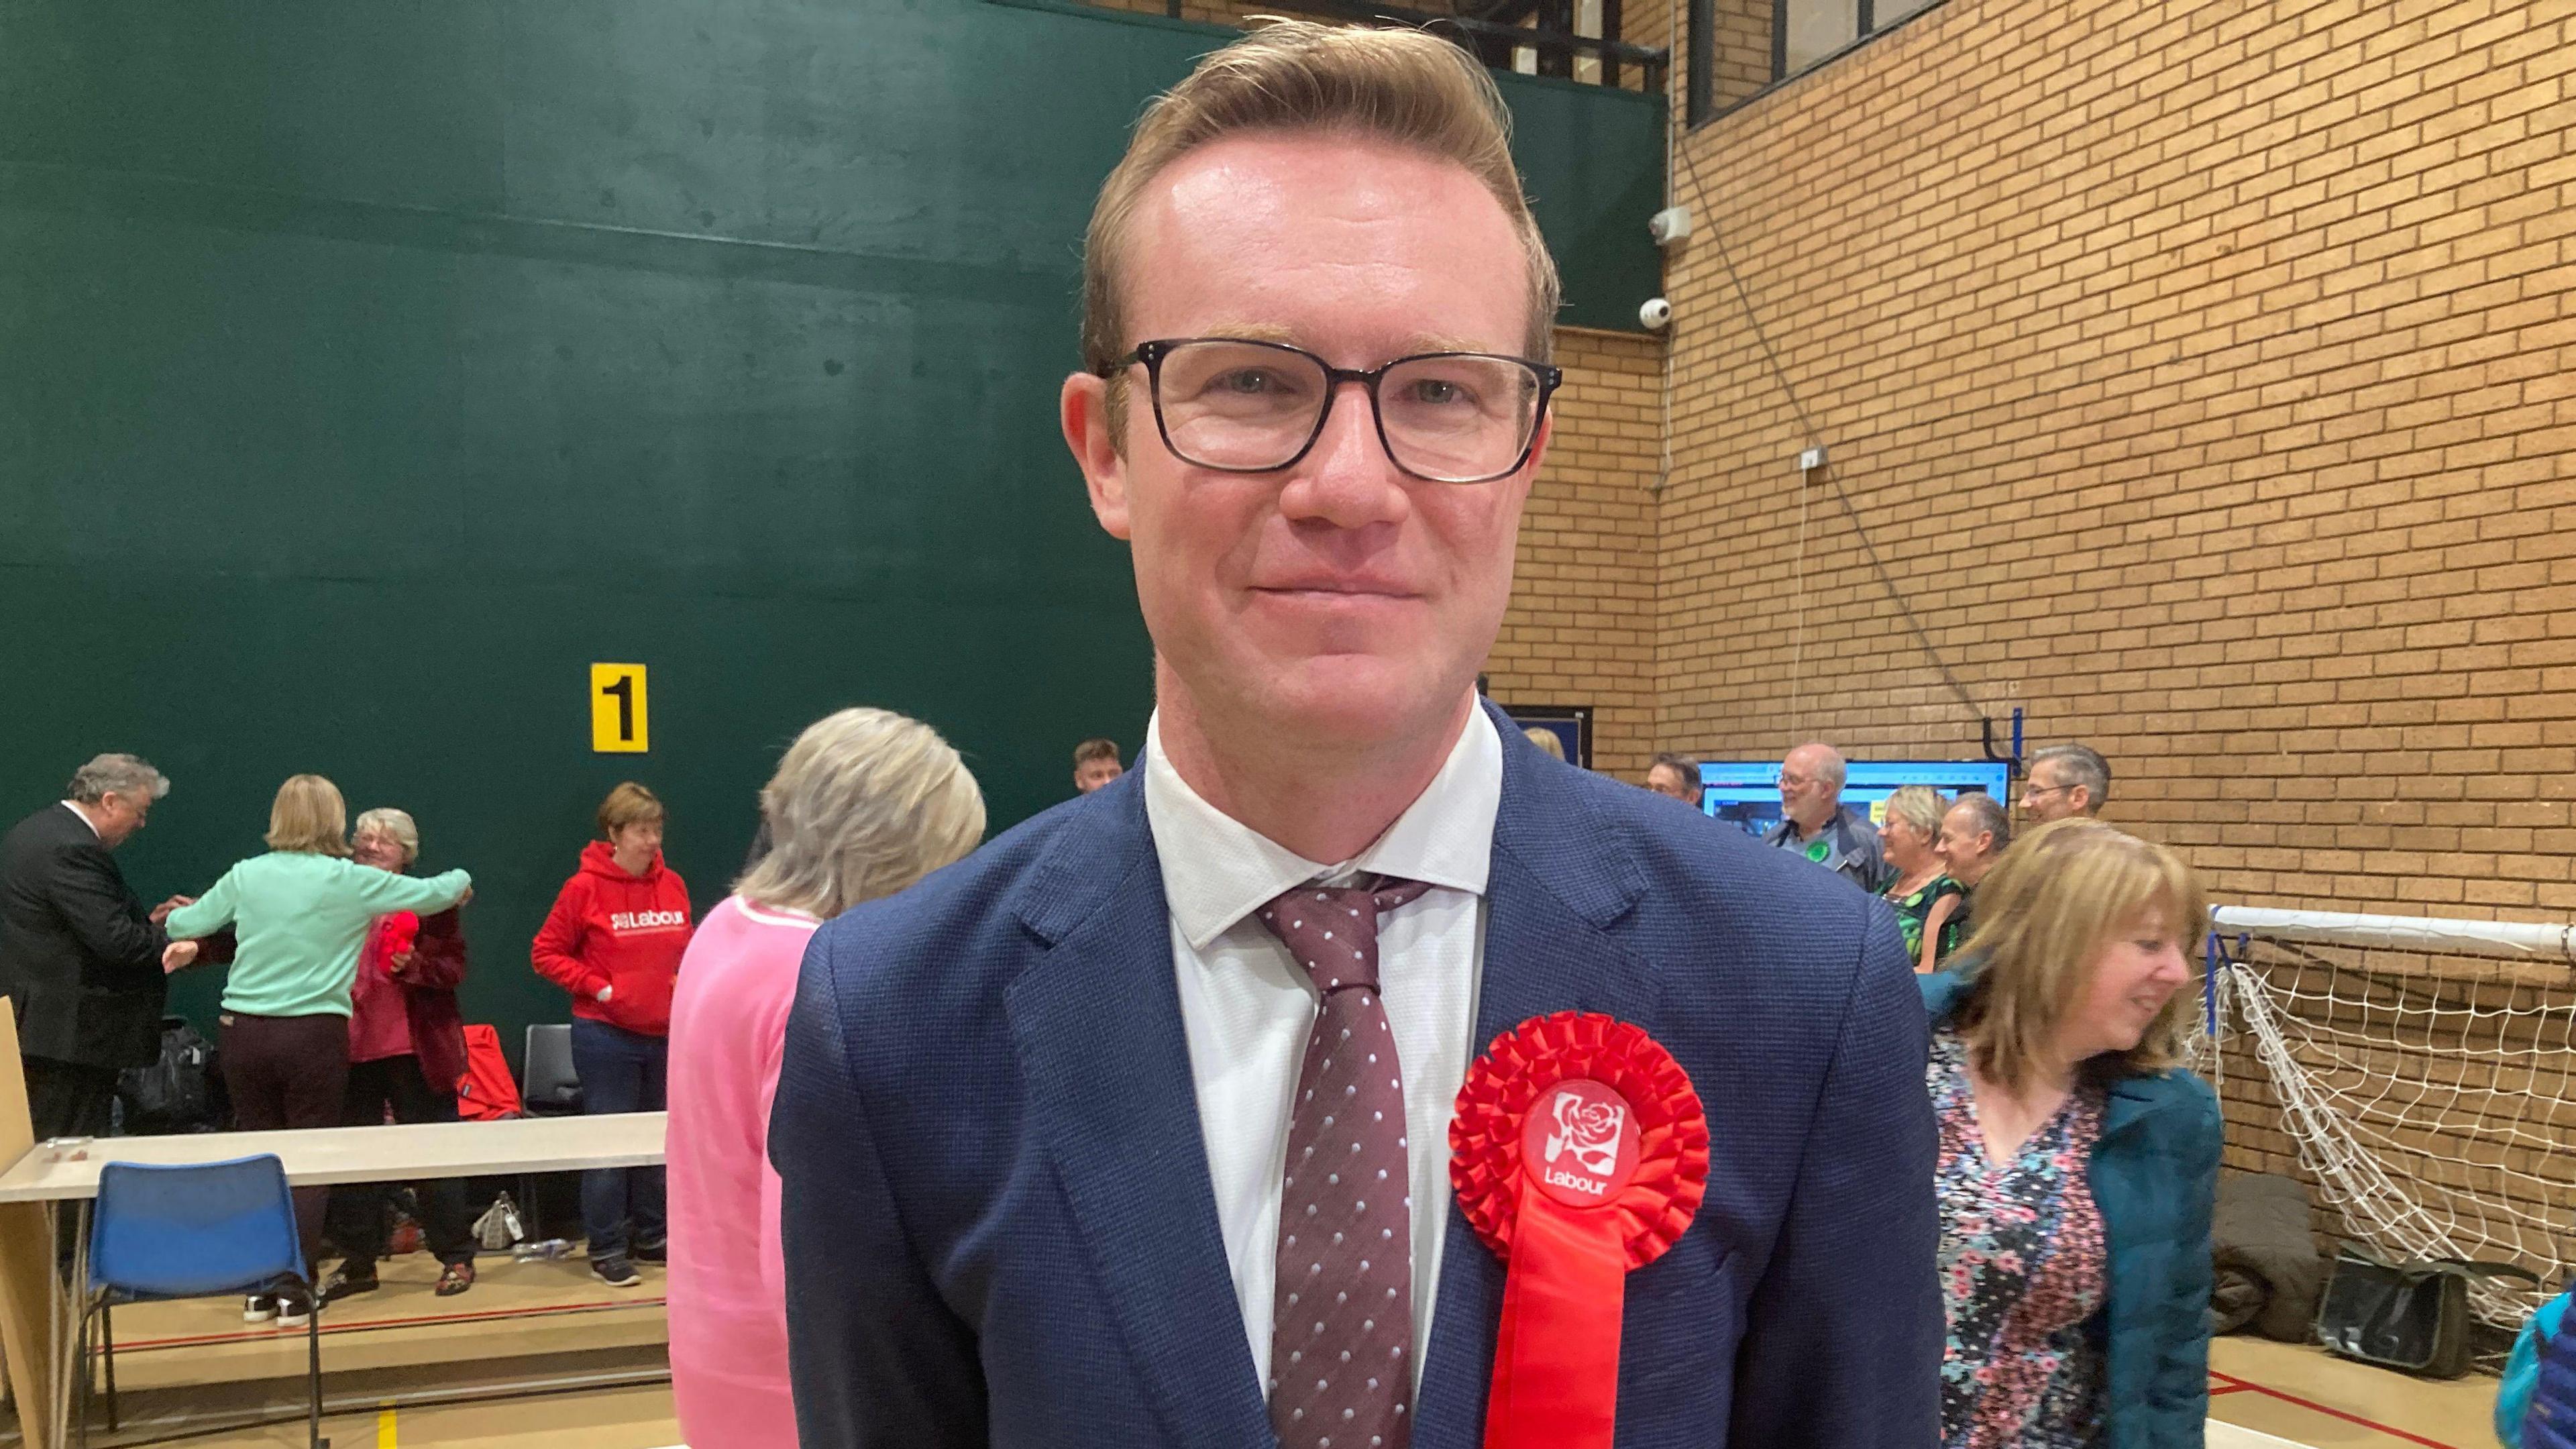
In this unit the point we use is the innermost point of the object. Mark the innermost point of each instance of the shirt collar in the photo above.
(1217, 870)
(83, 818)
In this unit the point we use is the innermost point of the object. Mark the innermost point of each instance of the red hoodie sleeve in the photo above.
(438, 952)
(557, 952)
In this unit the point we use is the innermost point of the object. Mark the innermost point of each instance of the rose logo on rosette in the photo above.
(1587, 1129)
(1579, 1152)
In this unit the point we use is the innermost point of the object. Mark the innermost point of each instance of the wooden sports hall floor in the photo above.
(541, 1326)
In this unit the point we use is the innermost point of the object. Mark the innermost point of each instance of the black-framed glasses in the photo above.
(1238, 406)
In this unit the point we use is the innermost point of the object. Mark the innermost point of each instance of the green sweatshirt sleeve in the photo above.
(212, 912)
(383, 891)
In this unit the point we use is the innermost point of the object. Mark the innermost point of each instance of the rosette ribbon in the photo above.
(1578, 1152)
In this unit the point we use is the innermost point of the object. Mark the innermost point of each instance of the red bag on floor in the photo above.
(487, 1092)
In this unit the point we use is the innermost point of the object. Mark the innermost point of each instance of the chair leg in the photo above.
(80, 1395)
(313, 1376)
(107, 1342)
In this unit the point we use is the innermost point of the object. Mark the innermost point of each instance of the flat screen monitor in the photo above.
(1747, 792)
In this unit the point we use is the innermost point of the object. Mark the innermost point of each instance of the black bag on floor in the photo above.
(2410, 1316)
(177, 1092)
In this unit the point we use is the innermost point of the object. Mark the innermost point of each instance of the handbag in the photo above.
(175, 1092)
(2412, 1316)
(499, 1226)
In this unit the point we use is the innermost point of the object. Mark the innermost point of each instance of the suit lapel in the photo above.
(1097, 1021)
(1559, 880)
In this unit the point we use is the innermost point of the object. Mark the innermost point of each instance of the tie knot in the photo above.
(1332, 930)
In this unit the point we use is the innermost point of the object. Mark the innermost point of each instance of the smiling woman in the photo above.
(2078, 1166)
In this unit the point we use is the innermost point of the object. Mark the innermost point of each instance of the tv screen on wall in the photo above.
(1747, 792)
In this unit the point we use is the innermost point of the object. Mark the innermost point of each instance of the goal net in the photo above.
(2421, 1073)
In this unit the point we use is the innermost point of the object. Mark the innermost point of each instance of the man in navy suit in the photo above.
(1131, 1130)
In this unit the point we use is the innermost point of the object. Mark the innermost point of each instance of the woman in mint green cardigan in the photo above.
(2078, 1163)
(300, 914)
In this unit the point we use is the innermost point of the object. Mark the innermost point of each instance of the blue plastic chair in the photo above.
(194, 1231)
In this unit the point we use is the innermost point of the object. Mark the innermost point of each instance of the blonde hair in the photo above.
(1547, 742)
(865, 803)
(309, 817)
(628, 804)
(2043, 915)
(1404, 87)
(1919, 806)
(394, 825)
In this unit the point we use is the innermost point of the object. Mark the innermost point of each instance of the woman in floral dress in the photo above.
(2078, 1165)
(1927, 901)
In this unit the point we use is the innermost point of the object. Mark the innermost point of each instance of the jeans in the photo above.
(621, 1071)
(357, 1213)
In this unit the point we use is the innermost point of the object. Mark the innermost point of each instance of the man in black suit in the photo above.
(80, 957)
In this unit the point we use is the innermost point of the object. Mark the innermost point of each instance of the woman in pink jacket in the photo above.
(865, 803)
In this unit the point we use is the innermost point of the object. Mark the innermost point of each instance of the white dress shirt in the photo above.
(84, 818)
(1247, 1007)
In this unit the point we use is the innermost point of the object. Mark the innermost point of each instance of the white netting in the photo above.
(2424, 1073)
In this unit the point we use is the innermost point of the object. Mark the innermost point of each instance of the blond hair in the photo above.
(394, 825)
(1919, 806)
(1547, 742)
(628, 804)
(865, 803)
(2043, 915)
(309, 817)
(1404, 87)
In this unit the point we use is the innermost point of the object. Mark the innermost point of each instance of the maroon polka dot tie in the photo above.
(1341, 1325)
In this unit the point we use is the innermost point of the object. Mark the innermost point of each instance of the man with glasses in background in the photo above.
(1814, 824)
(2065, 781)
(1041, 1119)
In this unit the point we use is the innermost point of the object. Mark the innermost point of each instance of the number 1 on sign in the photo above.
(617, 719)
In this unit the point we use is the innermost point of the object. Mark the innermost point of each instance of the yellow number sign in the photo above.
(617, 709)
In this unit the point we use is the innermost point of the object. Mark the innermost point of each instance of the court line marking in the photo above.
(385, 1437)
(2331, 1413)
(2224, 1435)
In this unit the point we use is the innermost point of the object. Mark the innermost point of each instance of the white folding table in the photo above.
(316, 1157)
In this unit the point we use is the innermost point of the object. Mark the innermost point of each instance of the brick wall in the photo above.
(1581, 629)
(2200, 373)
(1740, 47)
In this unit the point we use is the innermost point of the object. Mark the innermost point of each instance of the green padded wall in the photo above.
(368, 371)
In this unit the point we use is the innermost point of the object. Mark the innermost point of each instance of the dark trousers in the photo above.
(67, 1099)
(289, 1071)
(621, 1071)
(357, 1216)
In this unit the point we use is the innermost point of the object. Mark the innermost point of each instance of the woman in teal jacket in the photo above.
(2078, 1164)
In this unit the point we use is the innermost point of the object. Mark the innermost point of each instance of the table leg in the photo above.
(71, 1361)
(27, 1272)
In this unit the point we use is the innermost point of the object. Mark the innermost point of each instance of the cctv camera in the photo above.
(1657, 314)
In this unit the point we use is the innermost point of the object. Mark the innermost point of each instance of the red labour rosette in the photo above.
(1579, 1151)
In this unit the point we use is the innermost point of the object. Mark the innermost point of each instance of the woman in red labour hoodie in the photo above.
(614, 941)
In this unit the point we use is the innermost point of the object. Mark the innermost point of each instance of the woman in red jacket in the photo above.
(406, 1052)
(614, 941)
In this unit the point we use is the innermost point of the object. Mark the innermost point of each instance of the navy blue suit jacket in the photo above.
(999, 1226)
